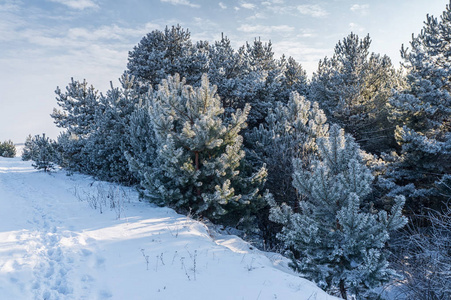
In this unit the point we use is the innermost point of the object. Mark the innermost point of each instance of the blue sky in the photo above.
(43, 43)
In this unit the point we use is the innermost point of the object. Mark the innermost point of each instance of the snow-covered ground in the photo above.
(55, 244)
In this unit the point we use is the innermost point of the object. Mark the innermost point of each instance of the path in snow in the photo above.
(54, 246)
(38, 235)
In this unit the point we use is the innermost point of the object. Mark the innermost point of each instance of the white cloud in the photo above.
(248, 5)
(181, 2)
(264, 29)
(258, 15)
(77, 4)
(52, 56)
(284, 10)
(356, 27)
(112, 32)
(306, 33)
(305, 54)
(360, 8)
(46, 40)
(222, 5)
(200, 26)
(313, 10)
(267, 3)
(10, 22)
(9, 6)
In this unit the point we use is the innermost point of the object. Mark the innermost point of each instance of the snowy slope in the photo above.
(55, 245)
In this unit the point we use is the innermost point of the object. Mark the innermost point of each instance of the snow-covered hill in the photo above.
(55, 244)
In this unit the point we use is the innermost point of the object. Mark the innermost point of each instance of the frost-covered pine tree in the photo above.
(294, 78)
(353, 88)
(224, 70)
(198, 163)
(69, 154)
(141, 152)
(77, 108)
(163, 53)
(95, 138)
(105, 147)
(29, 148)
(252, 75)
(44, 155)
(423, 111)
(334, 238)
(7, 149)
(77, 115)
(258, 81)
(290, 132)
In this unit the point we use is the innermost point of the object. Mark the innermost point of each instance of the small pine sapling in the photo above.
(7, 149)
(42, 152)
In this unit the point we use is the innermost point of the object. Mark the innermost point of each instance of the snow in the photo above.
(55, 245)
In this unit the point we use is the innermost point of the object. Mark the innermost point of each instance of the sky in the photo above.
(44, 43)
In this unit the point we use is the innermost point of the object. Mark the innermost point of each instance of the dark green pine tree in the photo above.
(353, 87)
(423, 112)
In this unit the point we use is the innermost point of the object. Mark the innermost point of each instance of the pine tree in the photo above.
(353, 88)
(163, 53)
(199, 157)
(29, 149)
(294, 78)
(77, 115)
(78, 107)
(105, 147)
(68, 152)
(224, 71)
(258, 81)
(290, 132)
(43, 155)
(7, 149)
(334, 239)
(250, 75)
(95, 139)
(141, 138)
(423, 111)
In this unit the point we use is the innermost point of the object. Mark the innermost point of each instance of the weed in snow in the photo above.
(146, 257)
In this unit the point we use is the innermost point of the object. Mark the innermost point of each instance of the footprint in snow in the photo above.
(86, 252)
(87, 278)
(105, 294)
(100, 263)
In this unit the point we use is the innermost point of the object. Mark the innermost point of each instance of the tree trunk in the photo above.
(343, 289)
(196, 161)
